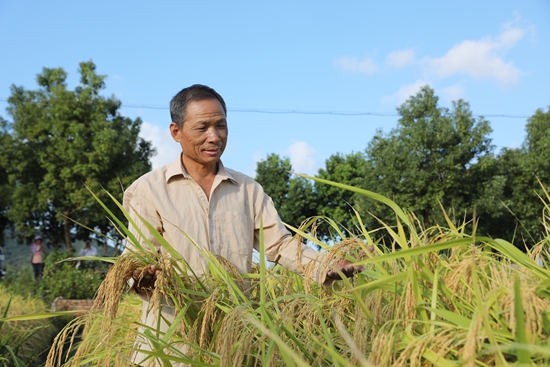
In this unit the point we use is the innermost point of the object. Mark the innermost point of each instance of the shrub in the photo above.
(20, 281)
(62, 278)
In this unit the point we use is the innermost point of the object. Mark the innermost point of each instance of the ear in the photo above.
(175, 131)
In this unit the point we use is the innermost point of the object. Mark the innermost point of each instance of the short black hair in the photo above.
(194, 93)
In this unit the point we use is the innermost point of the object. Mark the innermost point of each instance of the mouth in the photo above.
(212, 151)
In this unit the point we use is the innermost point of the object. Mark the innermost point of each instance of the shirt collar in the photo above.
(176, 168)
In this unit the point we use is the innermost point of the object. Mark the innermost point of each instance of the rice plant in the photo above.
(427, 297)
(25, 332)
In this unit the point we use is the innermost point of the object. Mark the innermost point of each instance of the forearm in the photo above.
(292, 254)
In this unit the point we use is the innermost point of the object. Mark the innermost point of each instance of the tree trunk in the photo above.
(67, 233)
(425, 218)
(117, 250)
(104, 244)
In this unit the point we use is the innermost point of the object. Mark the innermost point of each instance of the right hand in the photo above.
(146, 283)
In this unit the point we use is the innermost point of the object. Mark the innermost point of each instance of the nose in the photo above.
(213, 135)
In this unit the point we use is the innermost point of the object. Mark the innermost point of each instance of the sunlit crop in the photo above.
(427, 297)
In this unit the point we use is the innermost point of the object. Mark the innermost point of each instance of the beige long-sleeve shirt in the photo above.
(228, 224)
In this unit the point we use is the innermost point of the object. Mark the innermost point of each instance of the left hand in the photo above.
(346, 267)
(144, 281)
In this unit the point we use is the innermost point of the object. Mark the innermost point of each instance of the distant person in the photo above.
(2, 265)
(88, 250)
(38, 249)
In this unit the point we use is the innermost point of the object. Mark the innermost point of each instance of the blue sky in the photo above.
(320, 57)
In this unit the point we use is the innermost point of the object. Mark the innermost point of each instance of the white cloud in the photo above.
(352, 64)
(405, 92)
(454, 92)
(512, 34)
(399, 59)
(481, 59)
(167, 148)
(303, 158)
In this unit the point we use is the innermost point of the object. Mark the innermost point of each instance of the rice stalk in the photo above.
(433, 297)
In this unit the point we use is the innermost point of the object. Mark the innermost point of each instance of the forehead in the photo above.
(205, 109)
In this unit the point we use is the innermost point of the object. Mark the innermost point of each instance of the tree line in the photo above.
(436, 162)
(61, 146)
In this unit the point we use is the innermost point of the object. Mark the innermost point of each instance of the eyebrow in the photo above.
(207, 122)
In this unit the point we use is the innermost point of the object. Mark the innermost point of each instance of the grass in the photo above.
(427, 297)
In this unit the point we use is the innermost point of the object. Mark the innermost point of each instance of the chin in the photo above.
(211, 160)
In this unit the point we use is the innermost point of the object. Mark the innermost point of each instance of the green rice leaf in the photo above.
(39, 316)
(400, 213)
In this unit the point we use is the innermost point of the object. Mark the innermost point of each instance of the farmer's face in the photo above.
(203, 136)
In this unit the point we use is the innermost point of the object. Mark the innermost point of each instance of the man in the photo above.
(88, 249)
(219, 208)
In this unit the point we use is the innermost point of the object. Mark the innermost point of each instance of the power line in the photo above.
(304, 112)
(277, 111)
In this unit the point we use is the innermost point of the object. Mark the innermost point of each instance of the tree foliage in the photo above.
(527, 170)
(429, 158)
(293, 197)
(273, 174)
(63, 143)
(336, 203)
(5, 187)
(435, 159)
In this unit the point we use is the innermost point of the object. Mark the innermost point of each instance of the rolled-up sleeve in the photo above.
(281, 247)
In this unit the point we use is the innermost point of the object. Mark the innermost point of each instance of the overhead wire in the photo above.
(307, 112)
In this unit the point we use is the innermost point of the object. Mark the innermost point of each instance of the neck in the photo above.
(199, 171)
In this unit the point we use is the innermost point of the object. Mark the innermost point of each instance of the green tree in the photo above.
(293, 197)
(301, 201)
(273, 174)
(336, 203)
(435, 155)
(5, 187)
(523, 169)
(488, 182)
(61, 141)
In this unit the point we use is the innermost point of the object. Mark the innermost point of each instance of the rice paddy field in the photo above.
(23, 339)
(439, 296)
